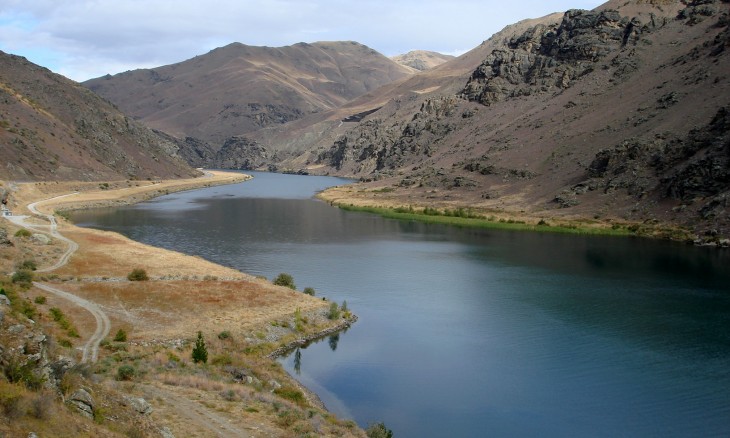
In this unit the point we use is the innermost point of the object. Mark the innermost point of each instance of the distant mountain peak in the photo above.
(421, 60)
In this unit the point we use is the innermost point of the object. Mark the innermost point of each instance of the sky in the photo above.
(84, 39)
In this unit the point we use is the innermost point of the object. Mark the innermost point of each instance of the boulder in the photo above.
(139, 405)
(83, 402)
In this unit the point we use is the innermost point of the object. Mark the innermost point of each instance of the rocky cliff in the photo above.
(601, 114)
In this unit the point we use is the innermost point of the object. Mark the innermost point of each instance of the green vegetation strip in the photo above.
(465, 218)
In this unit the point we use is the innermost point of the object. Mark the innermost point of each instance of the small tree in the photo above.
(334, 312)
(121, 336)
(309, 291)
(285, 280)
(200, 353)
(138, 274)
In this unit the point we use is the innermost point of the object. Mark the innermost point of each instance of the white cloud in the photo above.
(88, 38)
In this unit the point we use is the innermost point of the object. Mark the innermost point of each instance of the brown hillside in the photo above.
(236, 89)
(51, 128)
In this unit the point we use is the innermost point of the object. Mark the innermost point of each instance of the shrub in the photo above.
(41, 406)
(309, 291)
(23, 233)
(28, 309)
(138, 274)
(25, 373)
(285, 280)
(28, 265)
(126, 372)
(200, 353)
(291, 393)
(40, 299)
(121, 336)
(23, 277)
(225, 334)
(222, 359)
(334, 311)
(11, 400)
(378, 430)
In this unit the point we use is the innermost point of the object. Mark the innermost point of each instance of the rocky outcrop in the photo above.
(242, 153)
(83, 402)
(551, 58)
(376, 146)
(697, 166)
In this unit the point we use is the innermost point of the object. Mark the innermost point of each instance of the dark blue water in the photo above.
(475, 333)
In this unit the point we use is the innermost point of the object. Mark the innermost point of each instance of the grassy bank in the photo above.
(462, 217)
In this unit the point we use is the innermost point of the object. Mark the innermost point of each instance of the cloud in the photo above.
(89, 38)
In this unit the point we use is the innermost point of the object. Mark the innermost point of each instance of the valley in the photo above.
(510, 169)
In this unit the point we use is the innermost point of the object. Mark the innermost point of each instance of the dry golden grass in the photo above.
(179, 308)
(177, 301)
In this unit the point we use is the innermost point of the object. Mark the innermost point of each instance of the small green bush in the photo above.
(121, 336)
(23, 233)
(23, 277)
(285, 280)
(309, 291)
(40, 299)
(126, 372)
(28, 309)
(378, 430)
(28, 265)
(138, 274)
(225, 334)
(291, 393)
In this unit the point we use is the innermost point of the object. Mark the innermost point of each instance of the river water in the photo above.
(470, 333)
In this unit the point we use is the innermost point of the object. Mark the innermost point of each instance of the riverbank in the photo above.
(241, 317)
(382, 202)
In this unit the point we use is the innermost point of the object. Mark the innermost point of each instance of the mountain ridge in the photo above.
(235, 89)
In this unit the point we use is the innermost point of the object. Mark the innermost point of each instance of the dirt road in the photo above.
(103, 325)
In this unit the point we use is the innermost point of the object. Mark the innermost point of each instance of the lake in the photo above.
(473, 332)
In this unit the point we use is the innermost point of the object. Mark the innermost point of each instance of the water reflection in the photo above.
(333, 341)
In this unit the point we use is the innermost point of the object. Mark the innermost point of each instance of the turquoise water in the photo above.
(474, 332)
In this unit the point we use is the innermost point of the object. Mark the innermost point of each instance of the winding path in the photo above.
(103, 324)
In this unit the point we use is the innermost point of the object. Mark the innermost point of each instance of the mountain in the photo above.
(237, 89)
(421, 60)
(621, 113)
(52, 128)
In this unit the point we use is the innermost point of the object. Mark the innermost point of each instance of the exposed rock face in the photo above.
(376, 146)
(549, 58)
(242, 153)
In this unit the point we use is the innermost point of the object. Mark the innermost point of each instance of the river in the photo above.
(469, 333)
